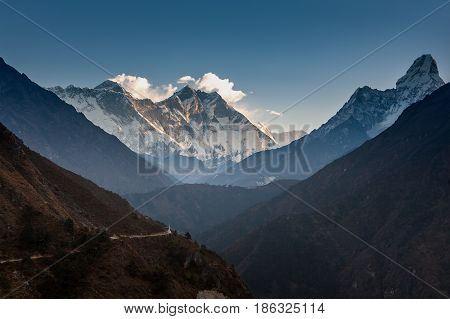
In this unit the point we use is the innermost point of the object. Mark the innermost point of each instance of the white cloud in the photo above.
(141, 88)
(210, 82)
(272, 112)
(185, 79)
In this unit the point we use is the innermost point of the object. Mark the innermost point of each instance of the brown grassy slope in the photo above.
(46, 210)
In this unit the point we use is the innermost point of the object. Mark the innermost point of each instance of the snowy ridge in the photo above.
(190, 123)
(376, 110)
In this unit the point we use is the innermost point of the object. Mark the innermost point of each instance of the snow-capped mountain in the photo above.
(55, 130)
(189, 123)
(366, 114)
(376, 110)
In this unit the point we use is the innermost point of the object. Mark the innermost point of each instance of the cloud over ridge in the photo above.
(141, 88)
(210, 82)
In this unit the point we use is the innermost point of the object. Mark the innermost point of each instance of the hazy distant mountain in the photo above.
(393, 192)
(285, 138)
(367, 113)
(196, 208)
(189, 123)
(47, 212)
(57, 131)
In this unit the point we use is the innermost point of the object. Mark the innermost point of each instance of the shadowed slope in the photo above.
(47, 212)
(393, 192)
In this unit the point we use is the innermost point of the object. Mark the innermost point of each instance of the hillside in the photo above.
(47, 212)
(393, 192)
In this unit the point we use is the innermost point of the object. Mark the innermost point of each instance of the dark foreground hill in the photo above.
(57, 131)
(393, 192)
(47, 212)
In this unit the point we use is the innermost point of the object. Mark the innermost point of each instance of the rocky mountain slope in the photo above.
(47, 212)
(367, 113)
(392, 192)
(57, 131)
(189, 123)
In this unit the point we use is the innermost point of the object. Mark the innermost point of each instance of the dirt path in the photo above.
(116, 237)
(15, 260)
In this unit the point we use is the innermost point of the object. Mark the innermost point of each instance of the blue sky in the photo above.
(273, 51)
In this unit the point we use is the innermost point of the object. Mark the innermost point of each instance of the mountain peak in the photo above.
(189, 91)
(109, 85)
(185, 93)
(423, 71)
(187, 88)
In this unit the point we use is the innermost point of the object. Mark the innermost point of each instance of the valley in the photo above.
(106, 195)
